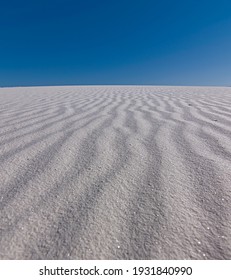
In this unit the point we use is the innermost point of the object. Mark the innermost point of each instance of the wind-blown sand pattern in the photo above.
(115, 172)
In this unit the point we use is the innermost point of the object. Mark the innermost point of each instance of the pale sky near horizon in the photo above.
(67, 42)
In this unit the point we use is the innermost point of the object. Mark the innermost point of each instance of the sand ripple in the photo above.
(115, 172)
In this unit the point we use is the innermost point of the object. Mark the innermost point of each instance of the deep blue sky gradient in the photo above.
(161, 42)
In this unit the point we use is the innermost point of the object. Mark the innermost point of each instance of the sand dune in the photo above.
(115, 172)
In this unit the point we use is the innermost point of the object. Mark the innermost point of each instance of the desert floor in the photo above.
(115, 172)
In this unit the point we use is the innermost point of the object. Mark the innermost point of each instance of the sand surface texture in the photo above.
(115, 172)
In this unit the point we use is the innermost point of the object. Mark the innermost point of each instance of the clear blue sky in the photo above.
(60, 42)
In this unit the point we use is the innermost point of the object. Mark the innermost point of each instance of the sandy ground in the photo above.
(115, 172)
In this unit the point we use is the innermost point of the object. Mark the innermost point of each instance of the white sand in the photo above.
(115, 172)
